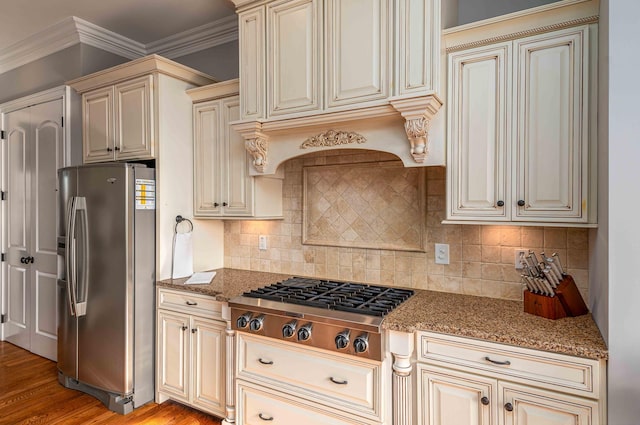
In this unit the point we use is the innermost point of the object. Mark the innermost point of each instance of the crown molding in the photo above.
(73, 30)
(196, 39)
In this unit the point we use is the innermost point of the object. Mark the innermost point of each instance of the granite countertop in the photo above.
(497, 320)
(227, 283)
(482, 318)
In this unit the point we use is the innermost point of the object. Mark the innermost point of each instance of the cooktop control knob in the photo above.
(256, 323)
(361, 343)
(243, 320)
(342, 340)
(289, 329)
(304, 333)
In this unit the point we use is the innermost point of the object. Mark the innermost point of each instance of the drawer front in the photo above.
(549, 370)
(334, 380)
(257, 407)
(189, 302)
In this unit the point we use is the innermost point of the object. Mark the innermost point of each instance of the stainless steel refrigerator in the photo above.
(106, 297)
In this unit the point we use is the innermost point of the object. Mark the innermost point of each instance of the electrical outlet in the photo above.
(516, 258)
(262, 243)
(442, 253)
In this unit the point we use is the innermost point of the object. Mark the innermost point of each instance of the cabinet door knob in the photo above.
(194, 330)
(500, 203)
(521, 203)
(224, 204)
(508, 407)
(117, 148)
(109, 150)
(215, 204)
(184, 327)
(485, 400)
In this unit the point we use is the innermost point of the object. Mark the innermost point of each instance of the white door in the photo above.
(35, 151)
(208, 354)
(97, 125)
(207, 196)
(174, 353)
(454, 398)
(133, 119)
(237, 190)
(551, 102)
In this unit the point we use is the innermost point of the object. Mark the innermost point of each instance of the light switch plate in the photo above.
(442, 253)
(262, 243)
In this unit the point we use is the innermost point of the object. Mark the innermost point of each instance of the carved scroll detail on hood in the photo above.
(332, 138)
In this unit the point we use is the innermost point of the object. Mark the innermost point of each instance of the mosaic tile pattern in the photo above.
(365, 205)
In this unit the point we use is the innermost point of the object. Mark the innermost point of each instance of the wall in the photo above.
(476, 10)
(623, 223)
(221, 62)
(54, 70)
(481, 256)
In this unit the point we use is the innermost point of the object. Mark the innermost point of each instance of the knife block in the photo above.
(567, 302)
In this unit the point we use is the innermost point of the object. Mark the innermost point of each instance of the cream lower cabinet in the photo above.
(190, 352)
(469, 382)
(521, 145)
(223, 187)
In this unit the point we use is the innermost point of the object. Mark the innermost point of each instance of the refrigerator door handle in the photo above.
(70, 255)
(82, 257)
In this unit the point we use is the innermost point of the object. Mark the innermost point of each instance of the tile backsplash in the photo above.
(481, 257)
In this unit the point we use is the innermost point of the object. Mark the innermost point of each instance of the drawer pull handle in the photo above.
(267, 362)
(192, 303)
(265, 418)
(498, 362)
(335, 381)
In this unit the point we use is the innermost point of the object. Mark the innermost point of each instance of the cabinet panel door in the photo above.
(551, 126)
(528, 406)
(479, 88)
(133, 119)
(251, 37)
(294, 39)
(237, 183)
(209, 365)
(206, 136)
(455, 398)
(98, 125)
(357, 50)
(173, 354)
(418, 34)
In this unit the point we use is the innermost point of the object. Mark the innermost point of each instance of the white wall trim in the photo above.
(73, 30)
(34, 99)
(194, 40)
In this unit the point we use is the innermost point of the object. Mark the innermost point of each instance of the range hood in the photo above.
(319, 75)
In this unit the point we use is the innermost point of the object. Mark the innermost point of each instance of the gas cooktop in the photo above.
(343, 296)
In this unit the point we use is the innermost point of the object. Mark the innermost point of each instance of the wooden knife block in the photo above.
(567, 303)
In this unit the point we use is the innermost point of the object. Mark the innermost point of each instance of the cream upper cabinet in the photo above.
(293, 50)
(118, 121)
(519, 139)
(133, 102)
(479, 89)
(357, 51)
(223, 187)
(125, 109)
(322, 74)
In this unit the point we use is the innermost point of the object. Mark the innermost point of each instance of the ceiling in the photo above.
(144, 21)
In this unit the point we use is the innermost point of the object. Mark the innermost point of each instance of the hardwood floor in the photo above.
(30, 394)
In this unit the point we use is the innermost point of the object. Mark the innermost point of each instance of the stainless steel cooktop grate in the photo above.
(333, 295)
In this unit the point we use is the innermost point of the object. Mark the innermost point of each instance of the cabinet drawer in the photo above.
(335, 380)
(549, 370)
(257, 406)
(189, 302)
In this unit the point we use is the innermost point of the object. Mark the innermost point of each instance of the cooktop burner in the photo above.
(333, 295)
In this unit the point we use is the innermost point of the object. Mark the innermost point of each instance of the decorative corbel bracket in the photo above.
(255, 142)
(418, 113)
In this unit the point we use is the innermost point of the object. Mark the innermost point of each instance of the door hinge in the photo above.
(2, 319)
(3, 195)
(61, 121)
(2, 134)
(3, 257)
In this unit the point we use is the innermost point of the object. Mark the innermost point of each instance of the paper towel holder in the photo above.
(180, 219)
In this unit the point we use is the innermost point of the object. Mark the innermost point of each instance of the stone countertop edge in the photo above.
(496, 320)
(482, 318)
